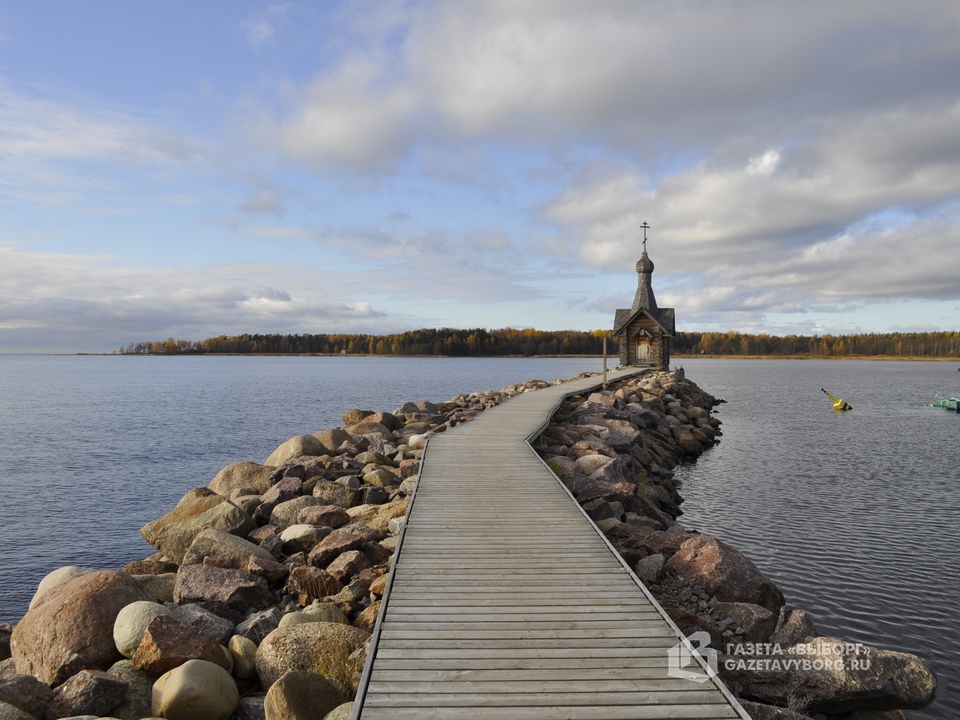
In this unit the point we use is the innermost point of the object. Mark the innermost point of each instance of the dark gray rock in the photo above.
(89, 692)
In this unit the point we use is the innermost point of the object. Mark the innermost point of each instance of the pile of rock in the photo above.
(615, 451)
(262, 594)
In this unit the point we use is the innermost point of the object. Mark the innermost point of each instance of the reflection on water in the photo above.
(854, 515)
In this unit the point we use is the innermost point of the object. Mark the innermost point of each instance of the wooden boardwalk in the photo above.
(505, 600)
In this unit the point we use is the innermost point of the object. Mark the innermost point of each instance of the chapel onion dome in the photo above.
(644, 264)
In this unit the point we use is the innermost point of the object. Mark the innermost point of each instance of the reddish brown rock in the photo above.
(169, 642)
(724, 572)
(332, 516)
(216, 588)
(378, 586)
(367, 620)
(89, 692)
(348, 564)
(351, 537)
(267, 568)
(71, 627)
(308, 583)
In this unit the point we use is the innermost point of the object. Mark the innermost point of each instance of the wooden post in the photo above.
(604, 362)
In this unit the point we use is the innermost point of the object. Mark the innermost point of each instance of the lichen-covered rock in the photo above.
(299, 695)
(196, 690)
(317, 612)
(71, 627)
(311, 647)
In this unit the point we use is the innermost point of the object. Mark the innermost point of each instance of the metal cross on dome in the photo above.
(645, 228)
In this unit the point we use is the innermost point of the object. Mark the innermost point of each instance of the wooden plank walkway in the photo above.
(505, 601)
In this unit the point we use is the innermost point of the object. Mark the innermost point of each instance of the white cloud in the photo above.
(263, 27)
(92, 303)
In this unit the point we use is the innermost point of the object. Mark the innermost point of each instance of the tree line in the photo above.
(480, 342)
(452, 342)
(928, 344)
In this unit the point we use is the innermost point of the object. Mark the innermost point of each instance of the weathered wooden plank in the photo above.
(670, 712)
(513, 700)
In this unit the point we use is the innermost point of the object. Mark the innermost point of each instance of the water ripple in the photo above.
(854, 515)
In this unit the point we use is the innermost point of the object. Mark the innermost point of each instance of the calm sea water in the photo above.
(94, 447)
(855, 515)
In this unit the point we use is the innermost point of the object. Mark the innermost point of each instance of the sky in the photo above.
(183, 169)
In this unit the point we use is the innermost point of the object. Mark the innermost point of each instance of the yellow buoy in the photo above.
(838, 403)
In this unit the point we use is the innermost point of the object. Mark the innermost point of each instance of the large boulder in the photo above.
(57, 577)
(71, 628)
(724, 572)
(222, 590)
(173, 534)
(226, 549)
(299, 446)
(89, 692)
(243, 475)
(196, 690)
(299, 695)
(310, 647)
(132, 622)
(831, 676)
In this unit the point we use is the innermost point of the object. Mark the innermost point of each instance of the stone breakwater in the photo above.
(615, 451)
(267, 583)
